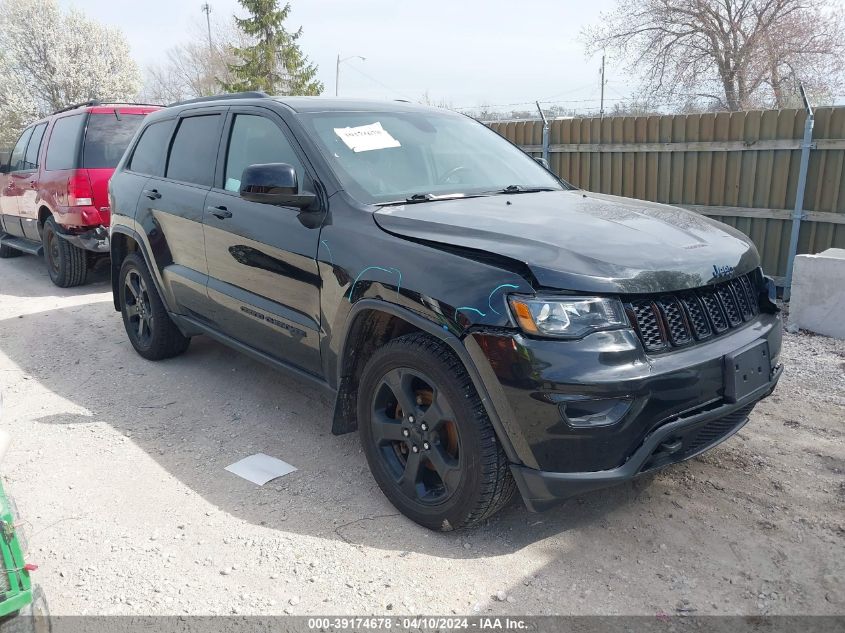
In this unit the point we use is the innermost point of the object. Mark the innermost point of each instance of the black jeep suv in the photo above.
(485, 326)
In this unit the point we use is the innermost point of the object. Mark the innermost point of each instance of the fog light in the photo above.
(580, 412)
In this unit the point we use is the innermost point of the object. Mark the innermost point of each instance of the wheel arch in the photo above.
(122, 242)
(372, 323)
(43, 213)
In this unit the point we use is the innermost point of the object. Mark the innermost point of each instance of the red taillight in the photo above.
(79, 192)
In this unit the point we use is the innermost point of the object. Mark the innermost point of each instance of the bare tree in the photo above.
(197, 68)
(738, 54)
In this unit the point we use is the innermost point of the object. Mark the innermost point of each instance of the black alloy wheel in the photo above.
(139, 312)
(428, 440)
(413, 426)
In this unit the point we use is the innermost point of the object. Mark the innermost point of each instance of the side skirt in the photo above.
(191, 325)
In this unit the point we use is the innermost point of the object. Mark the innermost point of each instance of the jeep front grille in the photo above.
(668, 321)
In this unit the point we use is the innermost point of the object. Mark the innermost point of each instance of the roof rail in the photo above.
(107, 102)
(91, 102)
(131, 103)
(253, 94)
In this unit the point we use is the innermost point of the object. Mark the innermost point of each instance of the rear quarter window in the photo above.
(148, 157)
(107, 137)
(63, 145)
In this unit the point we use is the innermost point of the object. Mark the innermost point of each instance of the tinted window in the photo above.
(31, 159)
(194, 150)
(17, 159)
(255, 140)
(63, 146)
(107, 138)
(148, 157)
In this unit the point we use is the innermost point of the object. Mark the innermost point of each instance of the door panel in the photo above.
(13, 186)
(170, 208)
(171, 215)
(28, 203)
(263, 275)
(264, 278)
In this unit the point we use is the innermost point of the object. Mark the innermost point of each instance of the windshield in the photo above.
(382, 157)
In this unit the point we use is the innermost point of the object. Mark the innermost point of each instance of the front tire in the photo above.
(66, 264)
(150, 329)
(427, 438)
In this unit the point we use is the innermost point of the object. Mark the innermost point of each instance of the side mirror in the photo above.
(4, 168)
(274, 183)
(543, 162)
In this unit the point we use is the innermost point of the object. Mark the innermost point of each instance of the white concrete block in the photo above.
(818, 293)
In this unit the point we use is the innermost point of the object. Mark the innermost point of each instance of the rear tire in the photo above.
(67, 265)
(7, 251)
(441, 465)
(148, 325)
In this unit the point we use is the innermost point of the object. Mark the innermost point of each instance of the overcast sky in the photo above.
(466, 52)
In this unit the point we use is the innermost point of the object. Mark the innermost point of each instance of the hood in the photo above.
(581, 241)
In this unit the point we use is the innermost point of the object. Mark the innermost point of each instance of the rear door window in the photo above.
(194, 152)
(19, 153)
(63, 146)
(148, 157)
(107, 137)
(31, 158)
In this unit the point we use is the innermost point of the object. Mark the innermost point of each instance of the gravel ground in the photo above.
(117, 468)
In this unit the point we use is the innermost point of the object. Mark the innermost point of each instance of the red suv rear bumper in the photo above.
(83, 217)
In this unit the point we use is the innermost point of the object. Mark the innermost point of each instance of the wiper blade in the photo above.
(430, 197)
(524, 189)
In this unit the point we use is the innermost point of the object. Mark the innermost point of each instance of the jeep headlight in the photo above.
(567, 317)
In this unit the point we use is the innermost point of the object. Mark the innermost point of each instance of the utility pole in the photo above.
(601, 109)
(206, 8)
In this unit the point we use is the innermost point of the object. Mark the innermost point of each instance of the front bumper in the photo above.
(671, 443)
(661, 409)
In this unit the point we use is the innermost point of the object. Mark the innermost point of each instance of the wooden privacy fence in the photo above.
(738, 167)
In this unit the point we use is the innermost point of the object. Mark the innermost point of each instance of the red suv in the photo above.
(54, 188)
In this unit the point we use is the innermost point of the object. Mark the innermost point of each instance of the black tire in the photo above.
(150, 329)
(476, 481)
(7, 251)
(67, 265)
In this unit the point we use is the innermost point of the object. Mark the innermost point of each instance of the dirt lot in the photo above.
(117, 467)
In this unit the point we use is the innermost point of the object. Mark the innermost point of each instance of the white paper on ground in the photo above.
(366, 137)
(260, 468)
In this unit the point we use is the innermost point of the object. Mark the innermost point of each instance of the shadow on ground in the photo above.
(198, 413)
(98, 279)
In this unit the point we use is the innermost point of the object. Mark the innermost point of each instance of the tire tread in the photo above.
(74, 261)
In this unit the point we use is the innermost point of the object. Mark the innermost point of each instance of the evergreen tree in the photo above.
(274, 63)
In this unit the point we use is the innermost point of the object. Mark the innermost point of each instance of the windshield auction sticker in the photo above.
(365, 138)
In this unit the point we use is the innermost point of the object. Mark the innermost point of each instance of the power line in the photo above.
(385, 86)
